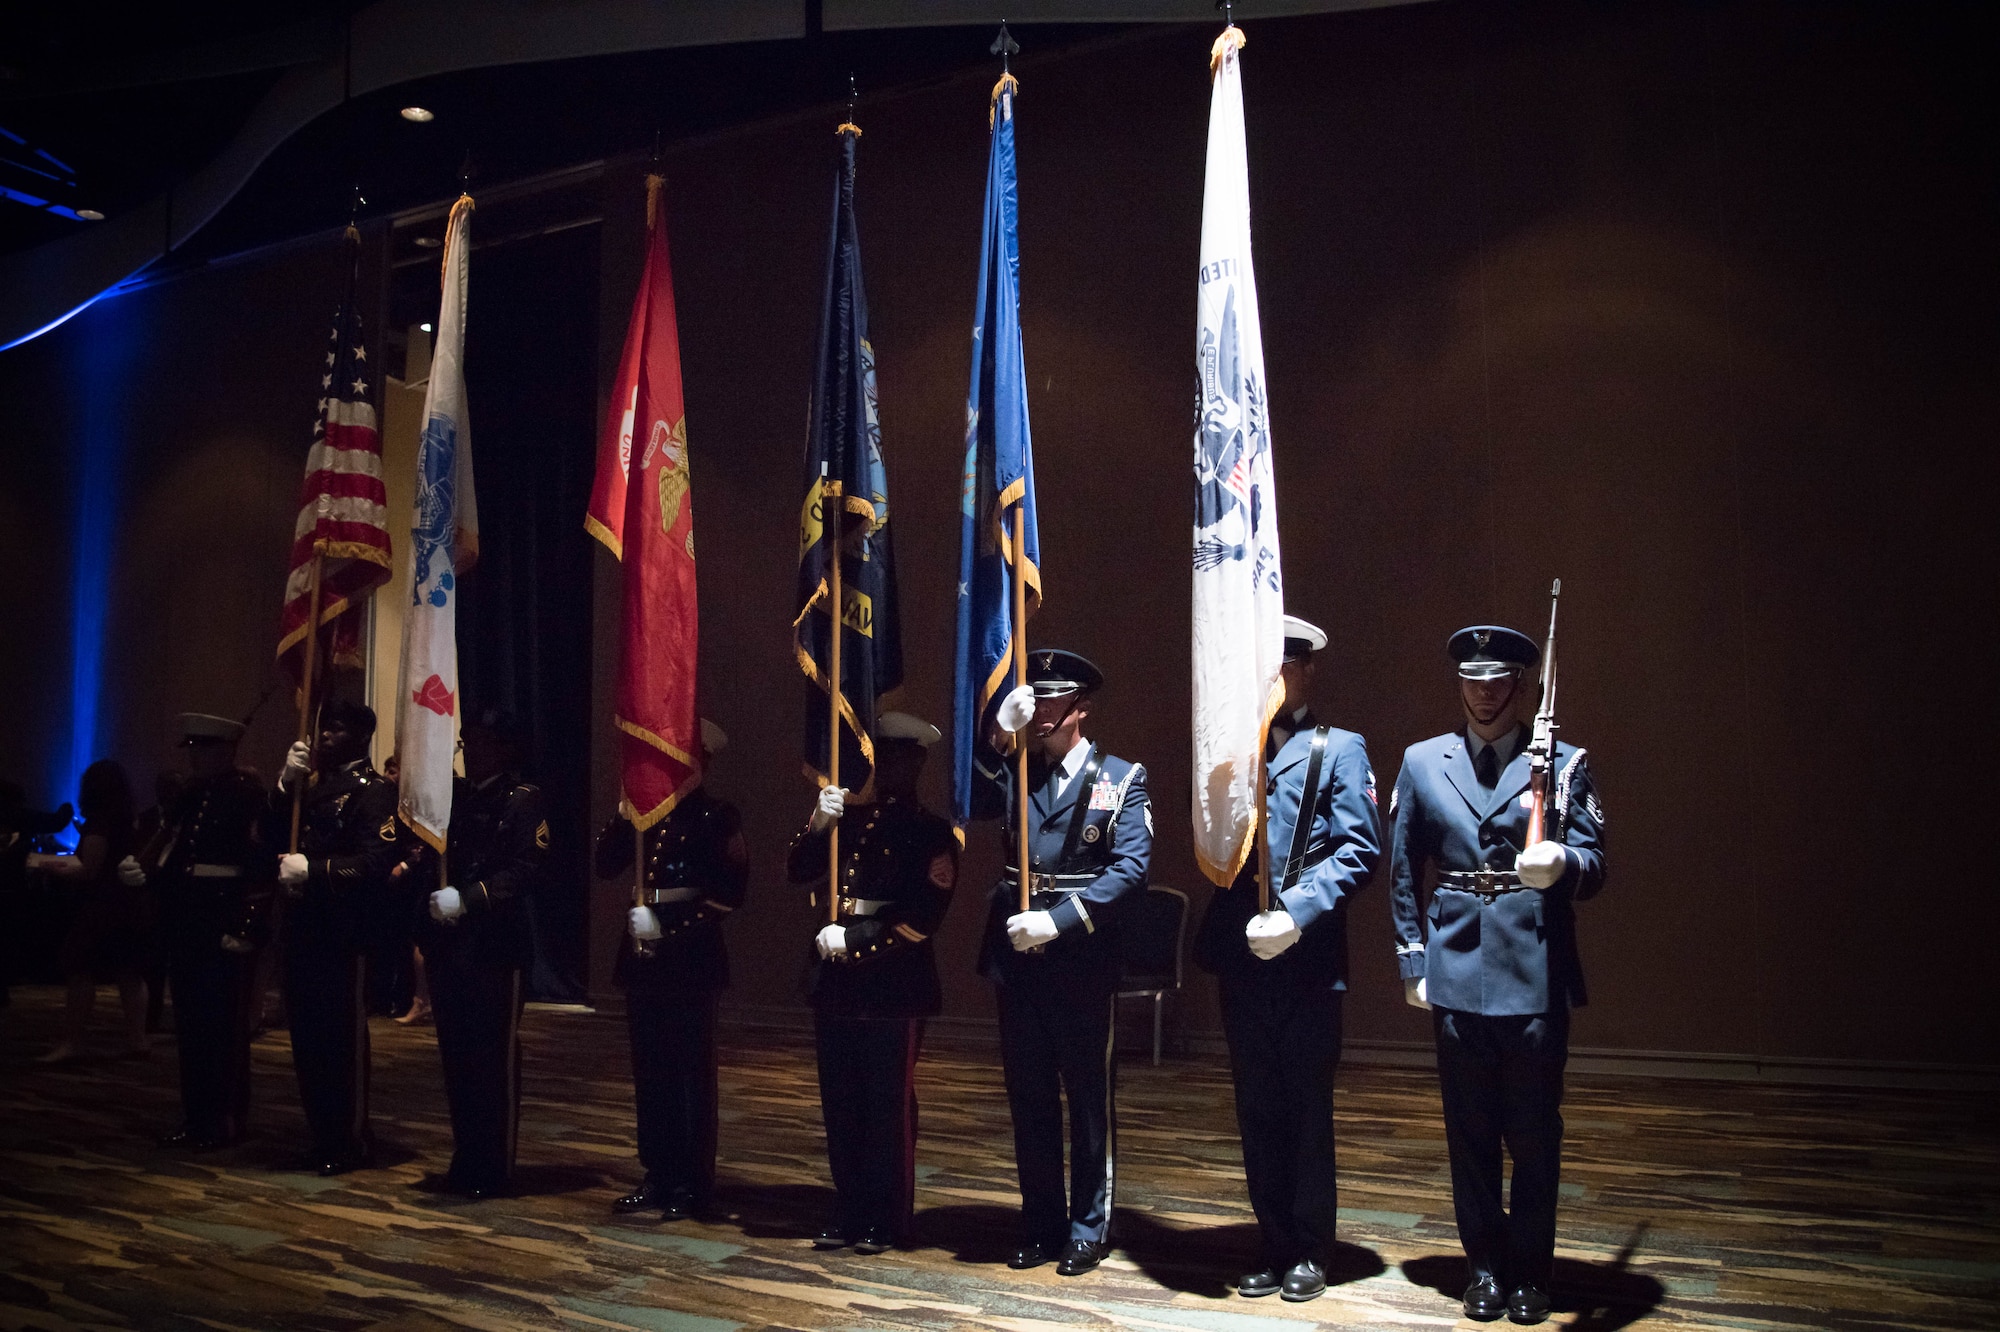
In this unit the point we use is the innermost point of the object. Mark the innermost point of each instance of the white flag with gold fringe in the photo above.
(1239, 594)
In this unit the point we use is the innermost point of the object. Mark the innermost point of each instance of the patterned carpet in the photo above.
(1687, 1205)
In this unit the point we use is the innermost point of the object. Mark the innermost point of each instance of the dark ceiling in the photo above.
(100, 130)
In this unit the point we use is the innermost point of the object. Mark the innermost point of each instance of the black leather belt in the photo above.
(664, 896)
(1486, 883)
(1052, 883)
(864, 906)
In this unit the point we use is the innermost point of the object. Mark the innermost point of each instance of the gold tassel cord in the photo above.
(848, 127)
(1232, 39)
(1008, 83)
(444, 262)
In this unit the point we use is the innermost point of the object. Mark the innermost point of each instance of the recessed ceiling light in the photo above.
(90, 214)
(418, 115)
(425, 327)
(428, 242)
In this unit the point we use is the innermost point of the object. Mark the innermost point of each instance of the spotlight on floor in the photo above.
(90, 214)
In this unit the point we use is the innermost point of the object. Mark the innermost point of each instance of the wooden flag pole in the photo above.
(639, 948)
(1264, 829)
(835, 611)
(1020, 678)
(306, 691)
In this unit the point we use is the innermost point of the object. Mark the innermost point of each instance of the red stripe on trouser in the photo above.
(906, 1179)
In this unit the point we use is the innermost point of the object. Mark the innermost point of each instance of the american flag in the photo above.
(343, 511)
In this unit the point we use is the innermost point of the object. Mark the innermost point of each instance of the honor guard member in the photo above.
(1494, 957)
(211, 866)
(1055, 966)
(672, 966)
(474, 936)
(1283, 973)
(332, 886)
(874, 980)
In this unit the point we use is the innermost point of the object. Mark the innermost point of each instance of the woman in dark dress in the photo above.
(112, 936)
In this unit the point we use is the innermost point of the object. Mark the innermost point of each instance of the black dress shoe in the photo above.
(677, 1205)
(1080, 1257)
(1483, 1300)
(1030, 1255)
(641, 1199)
(1306, 1281)
(1254, 1285)
(1529, 1304)
(192, 1140)
(874, 1240)
(830, 1238)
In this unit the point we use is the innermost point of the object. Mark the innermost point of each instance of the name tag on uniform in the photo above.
(1104, 795)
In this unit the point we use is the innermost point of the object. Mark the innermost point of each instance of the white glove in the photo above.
(832, 804)
(1542, 864)
(130, 874)
(831, 941)
(1271, 932)
(1017, 709)
(291, 869)
(1031, 929)
(642, 924)
(1416, 993)
(447, 905)
(298, 765)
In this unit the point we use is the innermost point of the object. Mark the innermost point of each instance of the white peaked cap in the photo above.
(903, 726)
(1305, 629)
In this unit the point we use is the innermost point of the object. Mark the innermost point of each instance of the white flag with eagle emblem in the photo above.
(1239, 594)
(444, 543)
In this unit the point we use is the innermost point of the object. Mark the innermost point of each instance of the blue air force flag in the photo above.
(999, 487)
(1239, 595)
(444, 543)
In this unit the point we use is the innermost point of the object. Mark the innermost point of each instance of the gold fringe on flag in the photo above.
(1232, 39)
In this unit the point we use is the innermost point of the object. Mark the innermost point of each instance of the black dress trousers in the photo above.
(1502, 1079)
(478, 1010)
(674, 1086)
(325, 977)
(1055, 1041)
(212, 989)
(1284, 1045)
(868, 1099)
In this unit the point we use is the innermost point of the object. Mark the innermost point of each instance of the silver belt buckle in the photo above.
(667, 896)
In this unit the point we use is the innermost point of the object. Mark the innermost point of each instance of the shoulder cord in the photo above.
(1308, 804)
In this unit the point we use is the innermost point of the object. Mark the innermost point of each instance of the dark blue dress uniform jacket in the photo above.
(897, 852)
(1345, 844)
(1115, 845)
(1510, 954)
(699, 845)
(350, 838)
(499, 839)
(221, 821)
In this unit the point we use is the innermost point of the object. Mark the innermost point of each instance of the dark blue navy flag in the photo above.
(846, 506)
(999, 488)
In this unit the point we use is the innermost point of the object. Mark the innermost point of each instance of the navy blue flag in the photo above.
(999, 470)
(846, 506)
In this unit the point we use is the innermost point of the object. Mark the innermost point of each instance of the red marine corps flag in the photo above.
(343, 523)
(641, 508)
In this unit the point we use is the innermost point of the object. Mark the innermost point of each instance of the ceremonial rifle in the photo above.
(1542, 747)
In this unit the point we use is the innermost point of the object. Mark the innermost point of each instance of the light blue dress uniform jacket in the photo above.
(1514, 953)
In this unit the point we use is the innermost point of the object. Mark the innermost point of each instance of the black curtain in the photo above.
(524, 627)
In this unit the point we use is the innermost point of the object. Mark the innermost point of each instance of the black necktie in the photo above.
(1487, 766)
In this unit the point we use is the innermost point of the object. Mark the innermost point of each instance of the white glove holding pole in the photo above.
(1031, 929)
(447, 905)
(298, 765)
(130, 874)
(1415, 992)
(1271, 932)
(832, 804)
(1542, 864)
(831, 941)
(1017, 709)
(291, 869)
(642, 924)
